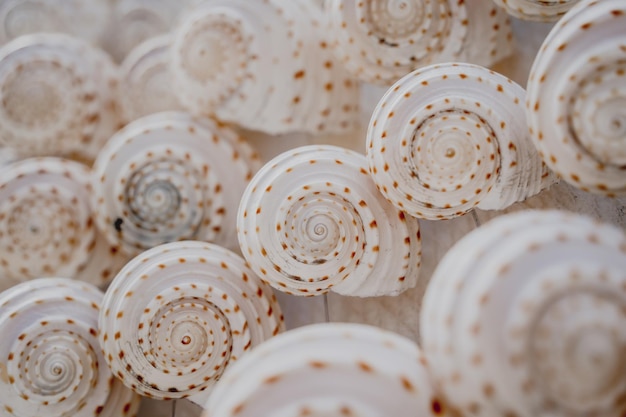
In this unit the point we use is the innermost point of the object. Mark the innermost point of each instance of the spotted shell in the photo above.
(168, 177)
(52, 362)
(329, 370)
(265, 65)
(380, 41)
(179, 314)
(577, 95)
(448, 138)
(525, 316)
(146, 80)
(73, 107)
(311, 220)
(539, 10)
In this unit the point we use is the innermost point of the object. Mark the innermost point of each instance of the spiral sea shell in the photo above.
(312, 220)
(447, 138)
(58, 96)
(177, 315)
(168, 177)
(542, 11)
(328, 370)
(577, 96)
(525, 316)
(52, 362)
(380, 41)
(264, 65)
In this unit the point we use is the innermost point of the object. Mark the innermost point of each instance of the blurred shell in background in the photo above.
(539, 10)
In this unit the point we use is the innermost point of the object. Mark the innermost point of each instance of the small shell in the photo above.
(539, 10)
(52, 362)
(179, 314)
(312, 220)
(72, 108)
(525, 316)
(146, 80)
(577, 96)
(448, 138)
(329, 370)
(168, 177)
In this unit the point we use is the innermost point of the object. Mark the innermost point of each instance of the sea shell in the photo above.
(58, 96)
(179, 314)
(265, 65)
(311, 220)
(539, 10)
(52, 362)
(146, 80)
(168, 177)
(448, 138)
(577, 96)
(381, 41)
(329, 370)
(525, 316)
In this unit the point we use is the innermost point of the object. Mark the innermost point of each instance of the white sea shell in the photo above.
(265, 65)
(577, 97)
(168, 177)
(52, 362)
(58, 96)
(448, 138)
(146, 83)
(328, 370)
(539, 10)
(380, 41)
(179, 314)
(526, 316)
(311, 220)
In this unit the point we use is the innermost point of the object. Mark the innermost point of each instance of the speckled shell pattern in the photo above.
(577, 97)
(380, 41)
(179, 314)
(52, 362)
(74, 108)
(265, 65)
(311, 220)
(329, 370)
(168, 177)
(451, 137)
(538, 10)
(525, 316)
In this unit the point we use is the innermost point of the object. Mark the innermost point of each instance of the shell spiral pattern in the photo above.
(542, 11)
(163, 178)
(525, 316)
(179, 314)
(329, 370)
(52, 362)
(312, 220)
(448, 138)
(577, 95)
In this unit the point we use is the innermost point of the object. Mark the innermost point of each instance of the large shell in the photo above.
(329, 370)
(168, 177)
(52, 362)
(312, 220)
(448, 138)
(380, 41)
(539, 10)
(265, 65)
(179, 314)
(577, 96)
(526, 316)
(58, 96)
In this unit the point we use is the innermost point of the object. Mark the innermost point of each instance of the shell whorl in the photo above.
(538, 10)
(525, 316)
(179, 314)
(448, 138)
(52, 362)
(311, 220)
(577, 95)
(168, 177)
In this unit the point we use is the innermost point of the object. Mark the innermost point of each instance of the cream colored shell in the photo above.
(179, 314)
(451, 137)
(311, 220)
(577, 97)
(52, 364)
(526, 316)
(539, 10)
